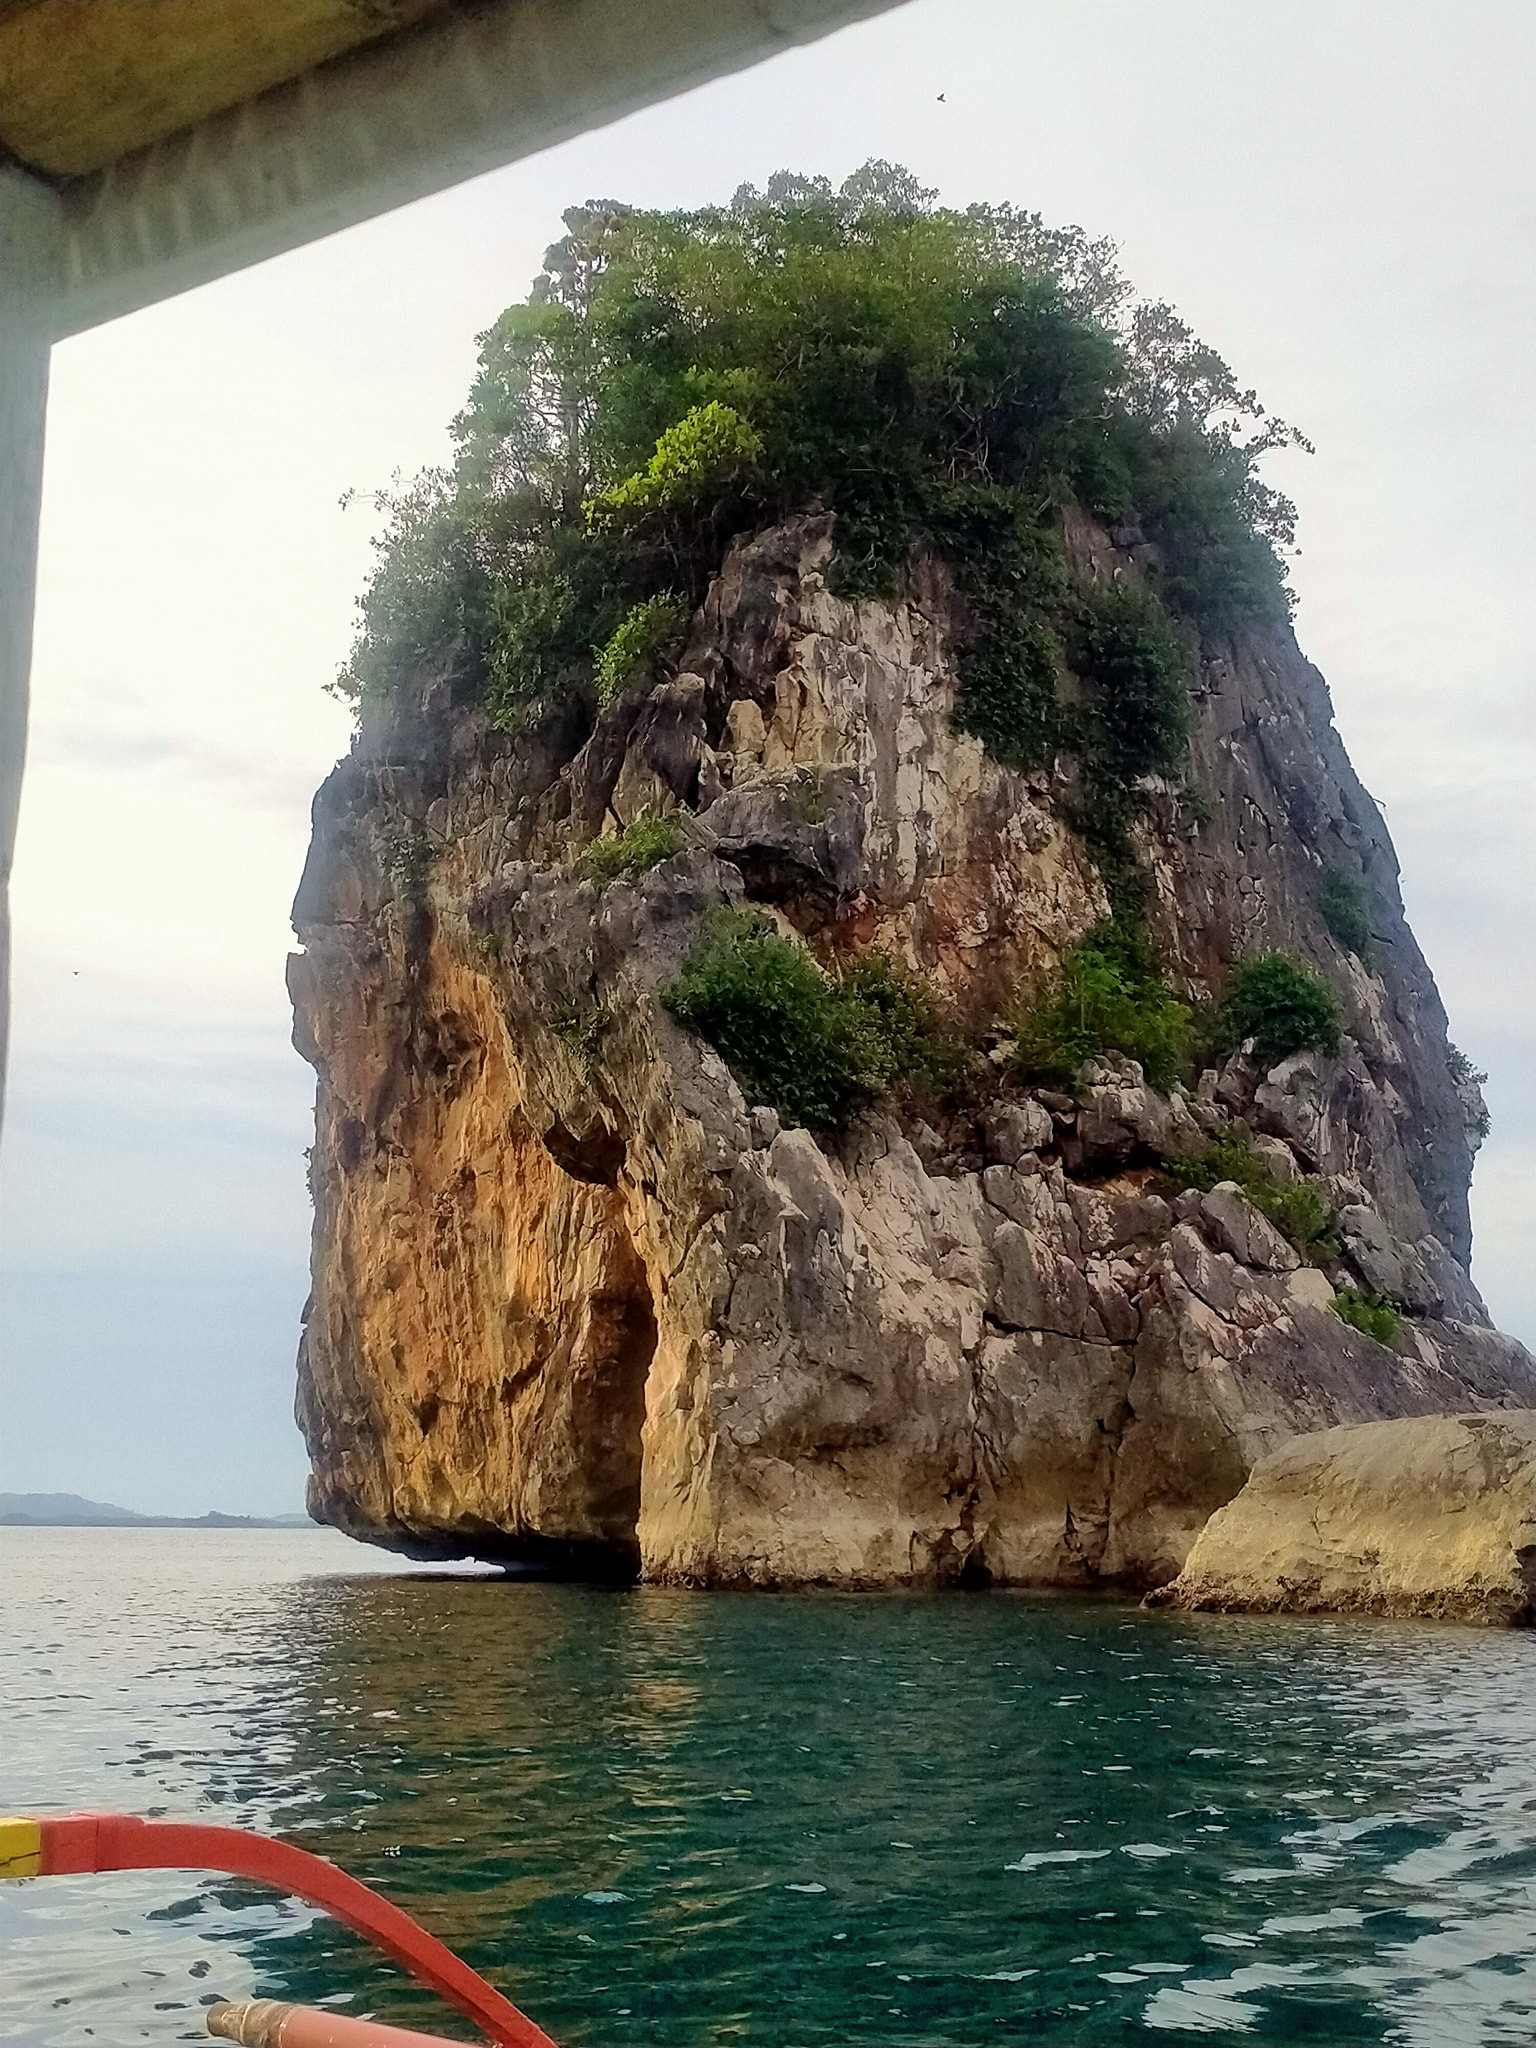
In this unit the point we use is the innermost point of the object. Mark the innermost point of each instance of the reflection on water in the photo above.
(659, 1817)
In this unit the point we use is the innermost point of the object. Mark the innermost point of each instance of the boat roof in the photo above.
(181, 139)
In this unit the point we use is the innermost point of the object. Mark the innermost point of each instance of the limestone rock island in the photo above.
(865, 1027)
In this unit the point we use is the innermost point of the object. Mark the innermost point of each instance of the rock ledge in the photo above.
(1433, 1515)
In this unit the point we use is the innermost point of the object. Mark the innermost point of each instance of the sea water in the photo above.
(682, 1818)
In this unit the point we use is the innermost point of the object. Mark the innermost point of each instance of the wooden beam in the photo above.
(457, 96)
(83, 82)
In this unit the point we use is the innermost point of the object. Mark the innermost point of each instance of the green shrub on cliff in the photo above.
(1133, 724)
(429, 602)
(809, 1046)
(1106, 996)
(534, 647)
(1008, 693)
(405, 853)
(710, 445)
(643, 844)
(1281, 1005)
(1468, 1081)
(635, 642)
(898, 1030)
(1137, 717)
(1296, 1208)
(1375, 1315)
(581, 1028)
(1346, 908)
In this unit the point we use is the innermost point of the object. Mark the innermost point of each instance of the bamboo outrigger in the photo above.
(83, 1842)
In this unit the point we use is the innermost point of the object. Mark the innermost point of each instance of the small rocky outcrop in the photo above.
(576, 1298)
(1434, 1516)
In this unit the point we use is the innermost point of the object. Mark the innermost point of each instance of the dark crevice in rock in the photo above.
(595, 1156)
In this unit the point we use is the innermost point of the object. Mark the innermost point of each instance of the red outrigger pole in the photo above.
(80, 1842)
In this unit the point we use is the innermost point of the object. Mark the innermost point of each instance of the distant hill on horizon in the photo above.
(73, 1511)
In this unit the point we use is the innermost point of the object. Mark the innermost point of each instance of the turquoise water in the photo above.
(669, 1818)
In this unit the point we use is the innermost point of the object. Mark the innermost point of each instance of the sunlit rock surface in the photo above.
(576, 1299)
(1432, 1516)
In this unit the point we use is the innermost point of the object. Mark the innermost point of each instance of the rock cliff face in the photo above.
(574, 1297)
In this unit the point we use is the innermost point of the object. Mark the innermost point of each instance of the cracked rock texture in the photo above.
(1433, 1516)
(576, 1299)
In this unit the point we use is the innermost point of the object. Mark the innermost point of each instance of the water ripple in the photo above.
(656, 1817)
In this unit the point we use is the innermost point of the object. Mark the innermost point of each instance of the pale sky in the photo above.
(1339, 196)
